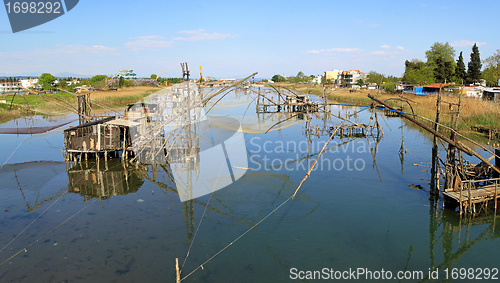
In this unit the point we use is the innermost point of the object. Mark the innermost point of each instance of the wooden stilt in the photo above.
(177, 272)
(496, 184)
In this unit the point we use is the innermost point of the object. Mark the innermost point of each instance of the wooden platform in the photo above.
(358, 130)
(287, 107)
(468, 195)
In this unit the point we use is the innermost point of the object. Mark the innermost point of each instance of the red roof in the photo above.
(436, 85)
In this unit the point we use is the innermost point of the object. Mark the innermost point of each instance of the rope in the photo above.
(53, 229)
(14, 151)
(274, 210)
(203, 215)
(223, 249)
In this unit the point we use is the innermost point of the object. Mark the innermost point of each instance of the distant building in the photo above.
(334, 76)
(29, 83)
(351, 77)
(126, 74)
(317, 80)
(74, 81)
(10, 86)
(471, 91)
(492, 94)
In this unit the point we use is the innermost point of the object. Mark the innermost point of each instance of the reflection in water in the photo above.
(450, 228)
(38, 182)
(35, 124)
(101, 180)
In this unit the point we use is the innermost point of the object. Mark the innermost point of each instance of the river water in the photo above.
(118, 222)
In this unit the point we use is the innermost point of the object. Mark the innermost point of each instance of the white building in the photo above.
(126, 74)
(9, 86)
(472, 91)
(317, 80)
(29, 83)
(352, 76)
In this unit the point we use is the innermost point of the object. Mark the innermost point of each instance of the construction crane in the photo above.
(166, 76)
(201, 77)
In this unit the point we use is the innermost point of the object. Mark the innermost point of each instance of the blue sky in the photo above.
(237, 38)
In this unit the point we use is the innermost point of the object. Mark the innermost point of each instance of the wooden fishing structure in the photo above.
(286, 102)
(491, 133)
(349, 130)
(391, 113)
(102, 138)
(471, 187)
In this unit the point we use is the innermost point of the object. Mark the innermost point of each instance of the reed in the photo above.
(473, 111)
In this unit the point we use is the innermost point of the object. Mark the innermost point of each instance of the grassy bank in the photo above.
(473, 111)
(64, 102)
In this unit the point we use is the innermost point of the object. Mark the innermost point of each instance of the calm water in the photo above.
(121, 223)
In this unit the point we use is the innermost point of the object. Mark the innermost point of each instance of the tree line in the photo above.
(299, 78)
(441, 67)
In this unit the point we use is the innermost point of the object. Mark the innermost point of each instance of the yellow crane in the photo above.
(201, 76)
(166, 76)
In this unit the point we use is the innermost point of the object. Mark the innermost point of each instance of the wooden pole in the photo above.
(496, 182)
(434, 192)
(408, 117)
(316, 161)
(460, 197)
(479, 156)
(177, 272)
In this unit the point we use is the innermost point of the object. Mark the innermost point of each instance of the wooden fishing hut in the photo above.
(98, 138)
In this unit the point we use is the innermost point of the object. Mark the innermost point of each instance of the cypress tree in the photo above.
(474, 66)
(460, 73)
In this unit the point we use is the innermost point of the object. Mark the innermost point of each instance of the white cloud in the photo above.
(98, 48)
(466, 43)
(149, 41)
(400, 48)
(200, 34)
(378, 53)
(385, 46)
(333, 50)
(56, 59)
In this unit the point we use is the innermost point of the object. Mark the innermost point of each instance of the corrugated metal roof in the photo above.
(437, 85)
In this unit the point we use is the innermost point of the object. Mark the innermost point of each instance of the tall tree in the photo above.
(278, 78)
(121, 82)
(418, 72)
(474, 66)
(374, 77)
(443, 71)
(460, 73)
(491, 72)
(441, 55)
(46, 81)
(97, 79)
(440, 50)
